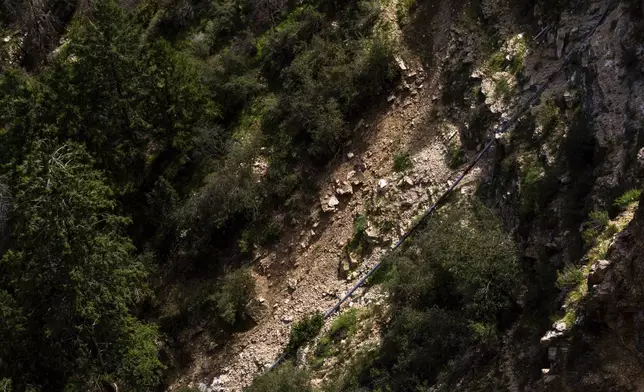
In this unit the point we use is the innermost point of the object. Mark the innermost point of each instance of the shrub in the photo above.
(592, 228)
(403, 9)
(324, 85)
(304, 330)
(343, 327)
(359, 228)
(447, 290)
(502, 90)
(570, 277)
(236, 290)
(277, 49)
(464, 251)
(286, 378)
(537, 186)
(345, 324)
(5, 385)
(228, 200)
(363, 370)
(324, 348)
(455, 156)
(496, 62)
(548, 116)
(402, 161)
(628, 197)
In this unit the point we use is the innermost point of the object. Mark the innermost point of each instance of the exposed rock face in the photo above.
(598, 272)
(610, 356)
(618, 300)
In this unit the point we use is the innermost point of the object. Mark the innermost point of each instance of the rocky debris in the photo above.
(406, 181)
(218, 383)
(354, 258)
(360, 167)
(391, 98)
(350, 155)
(550, 337)
(401, 63)
(372, 234)
(382, 183)
(494, 97)
(640, 158)
(570, 98)
(344, 189)
(257, 309)
(408, 202)
(349, 263)
(287, 318)
(291, 285)
(560, 326)
(598, 272)
(356, 178)
(260, 167)
(561, 42)
(558, 330)
(330, 204)
(344, 268)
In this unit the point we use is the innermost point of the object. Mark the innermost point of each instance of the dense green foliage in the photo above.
(126, 166)
(286, 378)
(303, 331)
(449, 292)
(68, 279)
(124, 160)
(235, 291)
(628, 197)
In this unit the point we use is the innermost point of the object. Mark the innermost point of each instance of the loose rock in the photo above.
(333, 201)
(598, 272)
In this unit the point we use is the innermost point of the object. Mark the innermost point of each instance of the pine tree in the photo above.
(70, 279)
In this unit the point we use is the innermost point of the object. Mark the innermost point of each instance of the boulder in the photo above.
(550, 337)
(333, 202)
(640, 158)
(570, 99)
(344, 269)
(257, 309)
(345, 189)
(355, 178)
(598, 272)
(354, 259)
(372, 235)
(560, 326)
(287, 318)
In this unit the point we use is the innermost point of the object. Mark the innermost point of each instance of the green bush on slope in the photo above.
(447, 292)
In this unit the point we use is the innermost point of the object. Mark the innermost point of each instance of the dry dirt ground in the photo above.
(302, 274)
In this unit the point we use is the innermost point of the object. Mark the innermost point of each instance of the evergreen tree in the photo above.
(69, 279)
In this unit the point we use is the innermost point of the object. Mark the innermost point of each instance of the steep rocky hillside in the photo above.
(466, 68)
(188, 186)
